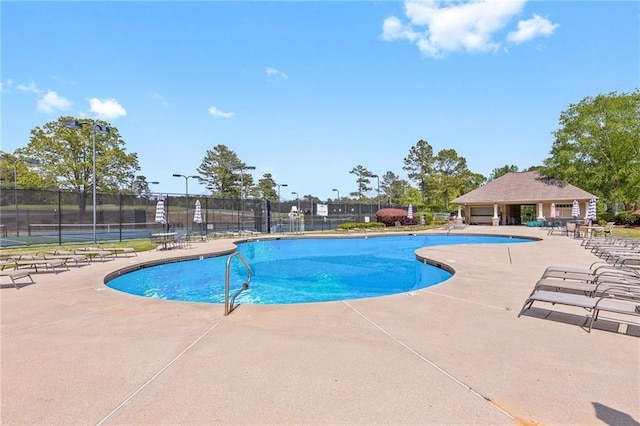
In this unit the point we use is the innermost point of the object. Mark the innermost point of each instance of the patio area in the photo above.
(77, 352)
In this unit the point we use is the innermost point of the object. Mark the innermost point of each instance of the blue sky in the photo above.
(308, 90)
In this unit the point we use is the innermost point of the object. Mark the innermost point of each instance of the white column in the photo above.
(459, 211)
(586, 207)
(540, 212)
(496, 218)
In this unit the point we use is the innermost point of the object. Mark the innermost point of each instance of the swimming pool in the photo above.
(302, 270)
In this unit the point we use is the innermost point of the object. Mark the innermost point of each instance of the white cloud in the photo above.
(217, 113)
(108, 109)
(272, 71)
(161, 99)
(51, 102)
(5, 84)
(31, 88)
(438, 27)
(532, 28)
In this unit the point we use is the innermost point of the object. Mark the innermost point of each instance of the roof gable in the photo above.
(521, 187)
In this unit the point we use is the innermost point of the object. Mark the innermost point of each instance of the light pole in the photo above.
(242, 169)
(15, 183)
(95, 128)
(298, 203)
(378, 190)
(186, 189)
(280, 203)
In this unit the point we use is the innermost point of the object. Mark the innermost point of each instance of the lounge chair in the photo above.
(69, 258)
(593, 269)
(590, 275)
(31, 261)
(628, 260)
(589, 288)
(125, 251)
(15, 274)
(614, 299)
(93, 253)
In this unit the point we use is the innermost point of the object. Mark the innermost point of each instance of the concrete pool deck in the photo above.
(76, 352)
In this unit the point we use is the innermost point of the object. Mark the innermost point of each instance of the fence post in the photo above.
(59, 217)
(120, 218)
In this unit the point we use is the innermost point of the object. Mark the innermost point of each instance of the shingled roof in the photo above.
(523, 187)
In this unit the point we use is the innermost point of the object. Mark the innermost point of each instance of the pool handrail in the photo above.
(229, 305)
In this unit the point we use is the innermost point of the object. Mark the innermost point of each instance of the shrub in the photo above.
(606, 217)
(626, 218)
(428, 218)
(389, 216)
(365, 225)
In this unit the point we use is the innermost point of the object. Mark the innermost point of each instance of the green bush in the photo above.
(428, 218)
(626, 218)
(606, 217)
(365, 225)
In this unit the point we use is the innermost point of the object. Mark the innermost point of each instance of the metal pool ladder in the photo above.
(229, 305)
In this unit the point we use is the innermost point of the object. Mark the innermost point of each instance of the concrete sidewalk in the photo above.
(77, 352)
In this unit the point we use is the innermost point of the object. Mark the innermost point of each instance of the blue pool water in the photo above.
(302, 270)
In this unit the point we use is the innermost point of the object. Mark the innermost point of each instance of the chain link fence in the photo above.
(29, 216)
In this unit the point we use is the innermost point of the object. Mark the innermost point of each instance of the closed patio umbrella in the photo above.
(160, 213)
(410, 212)
(197, 216)
(575, 210)
(552, 212)
(591, 211)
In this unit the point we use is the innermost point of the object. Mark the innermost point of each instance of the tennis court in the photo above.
(78, 233)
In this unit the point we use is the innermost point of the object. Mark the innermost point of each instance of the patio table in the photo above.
(165, 238)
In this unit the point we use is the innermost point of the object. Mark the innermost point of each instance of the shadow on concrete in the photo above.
(602, 323)
(613, 417)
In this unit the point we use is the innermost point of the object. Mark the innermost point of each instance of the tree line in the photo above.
(596, 147)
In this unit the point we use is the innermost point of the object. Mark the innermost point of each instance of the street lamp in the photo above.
(378, 178)
(15, 182)
(280, 203)
(95, 128)
(147, 191)
(298, 202)
(279, 185)
(242, 169)
(186, 189)
(338, 193)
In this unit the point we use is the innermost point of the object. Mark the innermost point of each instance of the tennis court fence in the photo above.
(33, 216)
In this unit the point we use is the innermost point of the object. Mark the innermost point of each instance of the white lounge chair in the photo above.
(613, 299)
(15, 274)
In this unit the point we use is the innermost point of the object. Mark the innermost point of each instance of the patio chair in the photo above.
(557, 228)
(606, 230)
(614, 299)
